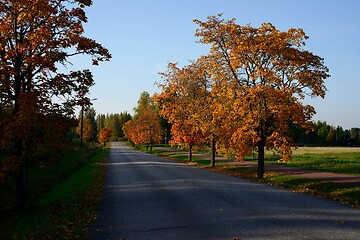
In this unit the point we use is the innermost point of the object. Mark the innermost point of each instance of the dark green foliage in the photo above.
(115, 122)
(63, 198)
(327, 135)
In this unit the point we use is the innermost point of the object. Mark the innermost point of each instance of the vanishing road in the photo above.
(147, 197)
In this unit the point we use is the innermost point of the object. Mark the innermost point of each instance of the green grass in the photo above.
(338, 162)
(181, 157)
(332, 159)
(65, 211)
(321, 150)
(348, 163)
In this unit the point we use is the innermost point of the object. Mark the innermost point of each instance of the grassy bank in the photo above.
(65, 210)
(343, 161)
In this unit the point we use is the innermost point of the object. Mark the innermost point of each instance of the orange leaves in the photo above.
(145, 128)
(254, 79)
(105, 135)
(88, 129)
(184, 102)
(35, 37)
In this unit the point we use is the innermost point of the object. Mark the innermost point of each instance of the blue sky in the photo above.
(143, 36)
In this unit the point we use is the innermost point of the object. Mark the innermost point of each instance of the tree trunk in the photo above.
(21, 177)
(190, 152)
(261, 159)
(213, 152)
(82, 126)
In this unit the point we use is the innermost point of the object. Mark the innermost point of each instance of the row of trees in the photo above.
(115, 122)
(327, 135)
(246, 92)
(93, 124)
(141, 131)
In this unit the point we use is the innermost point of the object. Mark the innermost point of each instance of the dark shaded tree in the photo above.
(35, 38)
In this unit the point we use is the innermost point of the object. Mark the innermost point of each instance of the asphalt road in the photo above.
(147, 197)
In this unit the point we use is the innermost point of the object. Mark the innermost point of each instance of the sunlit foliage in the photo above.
(257, 79)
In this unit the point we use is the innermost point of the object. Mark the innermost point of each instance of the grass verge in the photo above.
(339, 162)
(66, 210)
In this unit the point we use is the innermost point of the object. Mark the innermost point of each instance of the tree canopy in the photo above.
(257, 79)
(36, 38)
(145, 127)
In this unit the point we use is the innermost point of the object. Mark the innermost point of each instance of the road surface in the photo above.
(147, 197)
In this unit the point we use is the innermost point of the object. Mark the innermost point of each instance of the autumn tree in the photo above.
(44, 136)
(123, 117)
(89, 128)
(264, 74)
(145, 127)
(184, 103)
(132, 132)
(105, 135)
(35, 38)
(115, 122)
(90, 114)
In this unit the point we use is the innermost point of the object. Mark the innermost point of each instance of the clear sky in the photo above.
(144, 35)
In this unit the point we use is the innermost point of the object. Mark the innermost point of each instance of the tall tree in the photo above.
(90, 114)
(35, 37)
(145, 127)
(86, 127)
(105, 135)
(100, 121)
(265, 73)
(144, 102)
(183, 102)
(113, 121)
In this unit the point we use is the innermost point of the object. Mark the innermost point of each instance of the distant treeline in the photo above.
(113, 121)
(327, 135)
(323, 134)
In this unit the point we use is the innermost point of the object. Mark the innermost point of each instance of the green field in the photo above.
(323, 150)
(332, 159)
